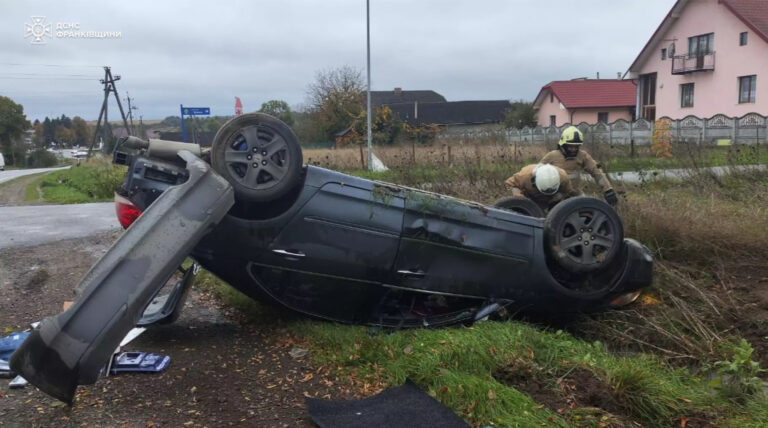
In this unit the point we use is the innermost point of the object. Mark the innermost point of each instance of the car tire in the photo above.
(259, 155)
(583, 234)
(520, 205)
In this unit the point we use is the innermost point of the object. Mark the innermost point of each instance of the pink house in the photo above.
(707, 57)
(585, 100)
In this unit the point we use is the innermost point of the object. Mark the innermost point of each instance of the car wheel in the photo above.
(583, 234)
(259, 155)
(520, 205)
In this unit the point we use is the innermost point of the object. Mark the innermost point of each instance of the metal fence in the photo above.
(751, 128)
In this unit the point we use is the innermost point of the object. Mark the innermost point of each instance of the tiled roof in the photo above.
(591, 93)
(754, 13)
(451, 113)
(399, 96)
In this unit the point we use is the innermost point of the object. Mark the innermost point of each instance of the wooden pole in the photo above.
(362, 156)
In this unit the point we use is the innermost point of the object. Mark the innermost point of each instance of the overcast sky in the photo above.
(206, 53)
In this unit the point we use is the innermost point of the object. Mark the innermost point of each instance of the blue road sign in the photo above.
(191, 111)
(197, 111)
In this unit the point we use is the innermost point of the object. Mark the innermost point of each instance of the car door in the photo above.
(462, 248)
(332, 257)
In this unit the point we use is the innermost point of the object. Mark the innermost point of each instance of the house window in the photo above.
(602, 116)
(747, 89)
(686, 95)
(701, 45)
(664, 54)
(743, 39)
(552, 120)
(551, 97)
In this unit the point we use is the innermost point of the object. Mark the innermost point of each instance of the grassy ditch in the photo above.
(513, 373)
(708, 236)
(689, 353)
(91, 181)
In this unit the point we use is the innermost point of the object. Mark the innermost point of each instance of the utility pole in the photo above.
(109, 86)
(130, 111)
(368, 90)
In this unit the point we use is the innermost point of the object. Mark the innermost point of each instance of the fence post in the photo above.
(450, 157)
(362, 156)
(515, 154)
(413, 152)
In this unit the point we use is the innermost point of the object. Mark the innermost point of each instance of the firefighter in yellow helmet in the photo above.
(542, 183)
(570, 157)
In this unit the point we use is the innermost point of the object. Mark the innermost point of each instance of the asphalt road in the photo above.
(16, 173)
(26, 226)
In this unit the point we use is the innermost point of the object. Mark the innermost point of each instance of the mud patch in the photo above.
(579, 396)
(223, 372)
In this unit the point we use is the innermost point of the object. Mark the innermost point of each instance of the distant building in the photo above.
(427, 107)
(399, 96)
(706, 57)
(455, 115)
(585, 100)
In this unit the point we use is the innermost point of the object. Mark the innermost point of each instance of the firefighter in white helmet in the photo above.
(542, 183)
(570, 157)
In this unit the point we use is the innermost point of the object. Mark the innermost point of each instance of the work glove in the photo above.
(610, 197)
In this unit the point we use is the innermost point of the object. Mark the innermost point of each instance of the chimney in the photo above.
(398, 91)
(598, 75)
(618, 75)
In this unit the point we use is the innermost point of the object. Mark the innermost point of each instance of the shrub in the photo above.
(41, 159)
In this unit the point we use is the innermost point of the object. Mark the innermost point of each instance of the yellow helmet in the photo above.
(571, 135)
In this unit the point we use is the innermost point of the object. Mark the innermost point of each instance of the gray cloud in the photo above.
(206, 53)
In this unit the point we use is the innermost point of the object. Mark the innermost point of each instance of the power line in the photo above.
(48, 75)
(48, 65)
(48, 78)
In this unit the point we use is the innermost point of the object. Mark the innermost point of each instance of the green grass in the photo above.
(687, 157)
(460, 367)
(32, 192)
(93, 181)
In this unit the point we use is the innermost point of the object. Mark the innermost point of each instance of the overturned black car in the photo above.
(321, 243)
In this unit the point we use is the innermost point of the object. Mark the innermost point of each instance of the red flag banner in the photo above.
(238, 106)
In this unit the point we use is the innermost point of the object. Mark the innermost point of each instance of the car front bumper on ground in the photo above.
(71, 348)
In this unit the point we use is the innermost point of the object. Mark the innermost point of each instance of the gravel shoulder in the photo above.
(224, 371)
(14, 192)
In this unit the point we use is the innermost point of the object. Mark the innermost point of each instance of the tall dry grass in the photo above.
(438, 154)
(708, 235)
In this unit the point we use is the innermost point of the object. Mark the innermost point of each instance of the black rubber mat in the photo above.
(405, 406)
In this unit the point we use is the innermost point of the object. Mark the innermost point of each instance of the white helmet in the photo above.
(546, 178)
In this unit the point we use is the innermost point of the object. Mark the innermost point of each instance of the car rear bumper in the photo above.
(72, 348)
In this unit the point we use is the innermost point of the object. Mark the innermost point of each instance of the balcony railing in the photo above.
(683, 64)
